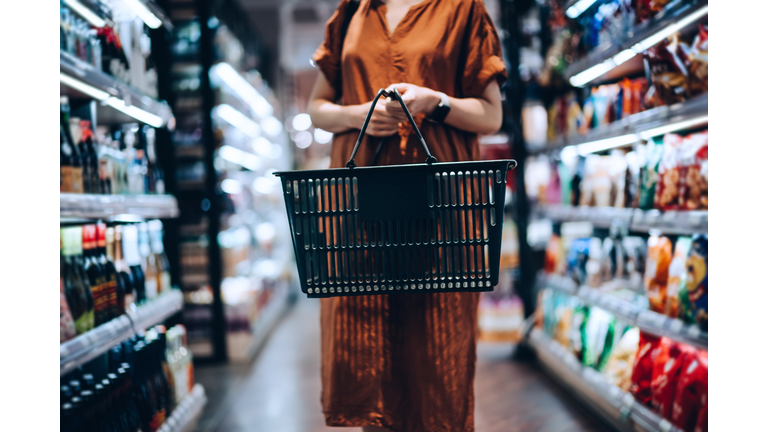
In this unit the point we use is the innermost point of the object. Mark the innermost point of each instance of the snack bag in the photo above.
(701, 422)
(575, 121)
(691, 393)
(657, 272)
(669, 76)
(668, 188)
(618, 370)
(649, 174)
(697, 280)
(667, 367)
(642, 369)
(698, 63)
(677, 276)
(635, 250)
(577, 337)
(600, 331)
(693, 186)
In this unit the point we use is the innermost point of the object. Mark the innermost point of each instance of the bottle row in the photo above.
(106, 269)
(122, 51)
(133, 387)
(117, 161)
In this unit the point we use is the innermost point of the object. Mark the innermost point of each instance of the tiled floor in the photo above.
(281, 391)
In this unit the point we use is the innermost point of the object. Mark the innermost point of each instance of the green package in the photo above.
(649, 174)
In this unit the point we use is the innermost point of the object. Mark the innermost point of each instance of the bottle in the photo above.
(74, 287)
(170, 385)
(90, 158)
(66, 163)
(88, 410)
(67, 328)
(155, 178)
(105, 165)
(96, 276)
(75, 160)
(161, 260)
(133, 258)
(109, 289)
(118, 302)
(149, 265)
(142, 386)
(122, 267)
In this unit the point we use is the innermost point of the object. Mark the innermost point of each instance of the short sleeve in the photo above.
(328, 55)
(483, 60)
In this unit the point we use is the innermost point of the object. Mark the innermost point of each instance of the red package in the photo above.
(701, 423)
(642, 369)
(667, 367)
(691, 393)
(668, 188)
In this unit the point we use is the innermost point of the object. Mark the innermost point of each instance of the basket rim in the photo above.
(511, 164)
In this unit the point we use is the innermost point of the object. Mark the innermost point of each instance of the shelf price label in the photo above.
(665, 426)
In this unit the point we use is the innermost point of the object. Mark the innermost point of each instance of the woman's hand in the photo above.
(418, 100)
(382, 123)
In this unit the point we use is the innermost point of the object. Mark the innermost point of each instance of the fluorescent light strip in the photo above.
(584, 77)
(145, 14)
(86, 13)
(685, 124)
(606, 144)
(82, 87)
(137, 113)
(237, 156)
(243, 89)
(238, 120)
(578, 8)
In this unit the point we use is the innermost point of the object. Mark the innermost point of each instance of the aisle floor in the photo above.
(280, 392)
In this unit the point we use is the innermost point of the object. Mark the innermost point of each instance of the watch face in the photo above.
(440, 113)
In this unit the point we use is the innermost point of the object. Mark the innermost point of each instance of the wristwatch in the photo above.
(442, 109)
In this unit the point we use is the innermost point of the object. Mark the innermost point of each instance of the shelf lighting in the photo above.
(238, 120)
(145, 14)
(86, 13)
(118, 104)
(244, 90)
(578, 8)
(672, 127)
(596, 71)
(242, 158)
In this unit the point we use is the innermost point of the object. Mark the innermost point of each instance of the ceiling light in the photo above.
(145, 14)
(86, 13)
(578, 8)
(302, 122)
(242, 88)
(238, 120)
(322, 137)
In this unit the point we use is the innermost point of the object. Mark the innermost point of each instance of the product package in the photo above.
(694, 155)
(642, 369)
(601, 334)
(635, 250)
(668, 188)
(554, 256)
(657, 271)
(618, 370)
(669, 76)
(698, 62)
(649, 174)
(677, 276)
(667, 367)
(577, 260)
(691, 394)
(592, 267)
(697, 280)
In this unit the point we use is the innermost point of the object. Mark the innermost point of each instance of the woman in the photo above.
(405, 362)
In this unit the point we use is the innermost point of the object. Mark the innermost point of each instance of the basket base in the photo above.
(397, 288)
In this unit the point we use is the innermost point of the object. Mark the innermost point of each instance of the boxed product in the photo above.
(676, 284)
(657, 271)
(697, 281)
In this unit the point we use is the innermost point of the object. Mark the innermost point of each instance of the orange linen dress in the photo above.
(405, 361)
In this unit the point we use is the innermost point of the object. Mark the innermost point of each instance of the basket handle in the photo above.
(396, 94)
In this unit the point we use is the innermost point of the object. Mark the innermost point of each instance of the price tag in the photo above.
(669, 217)
(696, 218)
(665, 426)
(676, 326)
(63, 351)
(694, 331)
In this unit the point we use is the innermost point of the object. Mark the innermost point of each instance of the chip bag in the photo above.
(697, 280)
(642, 369)
(698, 62)
(667, 367)
(649, 174)
(657, 272)
(677, 276)
(694, 152)
(691, 392)
(669, 76)
(618, 369)
(668, 189)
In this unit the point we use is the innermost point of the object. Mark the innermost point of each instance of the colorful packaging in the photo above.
(691, 393)
(600, 332)
(669, 76)
(577, 260)
(657, 272)
(642, 369)
(593, 263)
(635, 250)
(618, 370)
(697, 280)
(694, 155)
(649, 174)
(698, 63)
(668, 188)
(677, 276)
(667, 367)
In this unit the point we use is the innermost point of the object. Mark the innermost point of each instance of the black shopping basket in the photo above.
(428, 227)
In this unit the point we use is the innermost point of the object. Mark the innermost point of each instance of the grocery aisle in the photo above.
(281, 391)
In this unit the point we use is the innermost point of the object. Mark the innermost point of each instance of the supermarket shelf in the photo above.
(158, 12)
(671, 222)
(269, 316)
(91, 206)
(80, 79)
(672, 15)
(90, 345)
(614, 405)
(648, 321)
(641, 123)
(185, 416)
